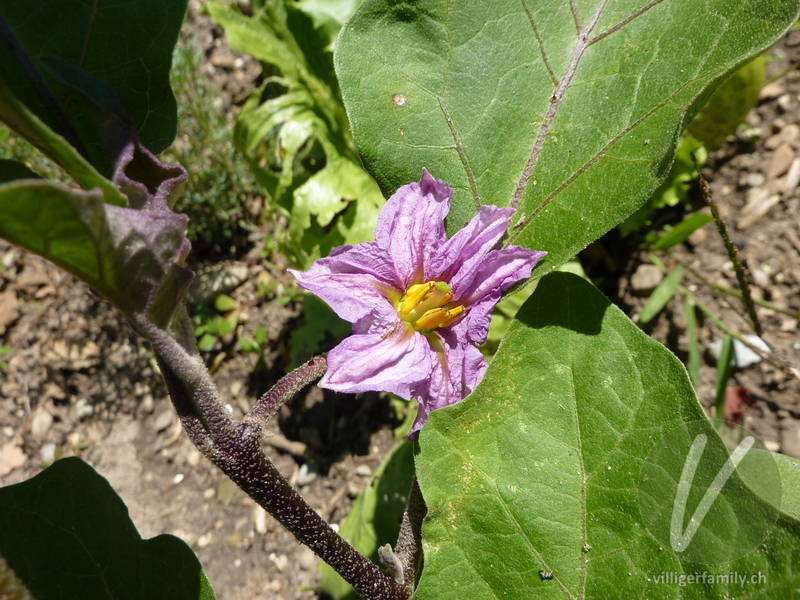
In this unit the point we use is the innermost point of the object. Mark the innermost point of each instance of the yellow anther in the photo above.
(439, 317)
(456, 312)
(415, 295)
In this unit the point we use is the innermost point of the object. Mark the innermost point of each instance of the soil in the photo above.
(80, 382)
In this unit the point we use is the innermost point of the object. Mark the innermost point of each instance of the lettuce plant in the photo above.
(552, 121)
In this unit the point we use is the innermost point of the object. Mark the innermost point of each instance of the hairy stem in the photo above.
(235, 448)
(732, 252)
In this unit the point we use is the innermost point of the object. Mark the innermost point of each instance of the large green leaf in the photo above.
(546, 469)
(570, 110)
(66, 534)
(131, 257)
(70, 56)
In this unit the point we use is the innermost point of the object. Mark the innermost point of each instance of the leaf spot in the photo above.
(400, 100)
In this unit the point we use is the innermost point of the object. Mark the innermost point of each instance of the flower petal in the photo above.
(355, 281)
(456, 371)
(411, 225)
(458, 259)
(368, 362)
(499, 271)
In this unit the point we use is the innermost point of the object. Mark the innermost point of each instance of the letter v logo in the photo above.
(680, 538)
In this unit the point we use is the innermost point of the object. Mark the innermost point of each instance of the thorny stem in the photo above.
(235, 448)
(732, 252)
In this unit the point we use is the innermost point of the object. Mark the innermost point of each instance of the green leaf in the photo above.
(66, 534)
(505, 102)
(131, 257)
(206, 342)
(790, 475)
(540, 469)
(247, 344)
(724, 368)
(15, 114)
(729, 105)
(679, 233)
(126, 45)
(661, 295)
(375, 517)
(690, 316)
(261, 335)
(224, 303)
(329, 206)
(674, 189)
(328, 16)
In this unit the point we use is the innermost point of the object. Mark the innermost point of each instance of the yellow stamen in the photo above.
(415, 295)
(456, 311)
(439, 317)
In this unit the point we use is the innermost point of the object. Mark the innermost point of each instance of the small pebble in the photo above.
(772, 445)
(178, 478)
(260, 520)
(789, 325)
(74, 440)
(761, 278)
(83, 408)
(306, 559)
(780, 162)
(42, 421)
(754, 179)
(275, 586)
(697, 237)
(193, 459)
(785, 102)
(280, 562)
(743, 357)
(363, 471)
(209, 493)
(205, 539)
(307, 474)
(771, 91)
(48, 454)
(147, 404)
(645, 279)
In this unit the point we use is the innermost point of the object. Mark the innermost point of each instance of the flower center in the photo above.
(426, 306)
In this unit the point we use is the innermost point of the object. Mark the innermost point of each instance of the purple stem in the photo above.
(235, 448)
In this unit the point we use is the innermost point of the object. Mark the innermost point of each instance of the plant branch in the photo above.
(283, 391)
(732, 252)
(235, 448)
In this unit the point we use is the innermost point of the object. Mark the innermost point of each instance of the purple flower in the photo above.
(419, 303)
